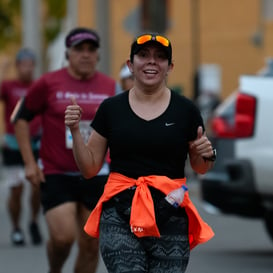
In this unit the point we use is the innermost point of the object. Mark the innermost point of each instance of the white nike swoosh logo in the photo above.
(169, 124)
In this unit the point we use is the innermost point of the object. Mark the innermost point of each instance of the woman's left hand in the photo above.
(201, 146)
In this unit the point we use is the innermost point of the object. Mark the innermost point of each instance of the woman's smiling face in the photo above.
(150, 65)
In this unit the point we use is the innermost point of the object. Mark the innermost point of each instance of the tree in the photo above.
(10, 30)
(56, 11)
(10, 21)
(154, 15)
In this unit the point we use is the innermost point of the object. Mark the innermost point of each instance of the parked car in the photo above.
(241, 182)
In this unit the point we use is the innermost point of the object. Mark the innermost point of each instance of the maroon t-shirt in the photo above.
(10, 92)
(49, 96)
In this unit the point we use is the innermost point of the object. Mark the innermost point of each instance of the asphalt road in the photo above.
(27, 259)
(239, 246)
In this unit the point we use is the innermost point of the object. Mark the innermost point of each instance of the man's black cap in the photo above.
(81, 34)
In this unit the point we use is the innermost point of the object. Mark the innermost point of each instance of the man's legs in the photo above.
(61, 221)
(87, 259)
(14, 205)
(89, 192)
(35, 209)
(14, 208)
(34, 203)
(66, 218)
(14, 180)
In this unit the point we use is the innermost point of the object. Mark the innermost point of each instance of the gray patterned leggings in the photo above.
(123, 252)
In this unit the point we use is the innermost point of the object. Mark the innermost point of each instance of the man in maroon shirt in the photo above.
(67, 198)
(10, 92)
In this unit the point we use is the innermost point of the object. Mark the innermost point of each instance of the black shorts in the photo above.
(59, 189)
(14, 158)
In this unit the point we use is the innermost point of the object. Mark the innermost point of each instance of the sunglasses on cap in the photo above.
(148, 37)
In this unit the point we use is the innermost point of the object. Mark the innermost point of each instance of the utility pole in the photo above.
(195, 24)
(102, 26)
(71, 14)
(32, 37)
(154, 14)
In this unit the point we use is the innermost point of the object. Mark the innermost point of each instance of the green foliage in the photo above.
(56, 8)
(10, 18)
(56, 14)
(9, 32)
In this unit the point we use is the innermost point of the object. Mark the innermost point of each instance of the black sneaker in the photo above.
(17, 238)
(35, 234)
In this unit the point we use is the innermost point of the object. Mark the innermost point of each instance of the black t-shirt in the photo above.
(141, 148)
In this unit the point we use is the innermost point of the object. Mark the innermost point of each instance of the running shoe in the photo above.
(17, 238)
(35, 234)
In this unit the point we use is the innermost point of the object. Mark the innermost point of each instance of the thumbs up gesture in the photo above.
(201, 146)
(73, 113)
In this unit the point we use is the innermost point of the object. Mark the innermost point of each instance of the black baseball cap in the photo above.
(81, 34)
(143, 39)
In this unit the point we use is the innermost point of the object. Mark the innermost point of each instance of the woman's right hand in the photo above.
(73, 114)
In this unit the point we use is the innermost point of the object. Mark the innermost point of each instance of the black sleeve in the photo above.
(196, 121)
(21, 112)
(99, 123)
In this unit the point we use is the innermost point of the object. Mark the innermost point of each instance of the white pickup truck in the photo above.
(242, 126)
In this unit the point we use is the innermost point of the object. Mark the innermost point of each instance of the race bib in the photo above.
(85, 130)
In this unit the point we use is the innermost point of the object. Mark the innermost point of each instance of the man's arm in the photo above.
(21, 128)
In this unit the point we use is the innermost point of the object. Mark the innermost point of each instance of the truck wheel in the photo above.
(269, 223)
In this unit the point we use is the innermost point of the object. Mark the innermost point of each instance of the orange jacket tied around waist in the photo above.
(142, 220)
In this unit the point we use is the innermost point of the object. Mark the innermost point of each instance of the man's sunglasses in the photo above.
(147, 37)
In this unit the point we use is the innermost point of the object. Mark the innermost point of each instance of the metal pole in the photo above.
(102, 26)
(71, 14)
(157, 11)
(195, 29)
(32, 30)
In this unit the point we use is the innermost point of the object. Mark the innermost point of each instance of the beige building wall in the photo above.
(180, 33)
(86, 15)
(202, 31)
(120, 38)
(226, 29)
(268, 39)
